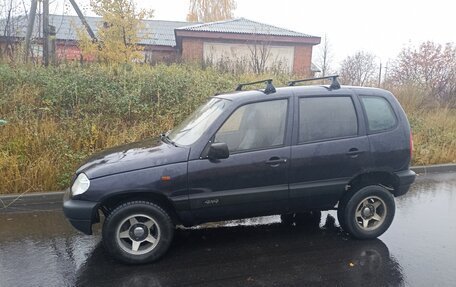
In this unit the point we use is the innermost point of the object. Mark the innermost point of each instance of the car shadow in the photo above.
(273, 254)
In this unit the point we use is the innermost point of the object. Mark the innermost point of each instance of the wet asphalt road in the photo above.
(39, 248)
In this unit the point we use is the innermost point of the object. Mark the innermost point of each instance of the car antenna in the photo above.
(334, 82)
(269, 86)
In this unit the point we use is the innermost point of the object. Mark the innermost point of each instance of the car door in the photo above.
(329, 147)
(253, 180)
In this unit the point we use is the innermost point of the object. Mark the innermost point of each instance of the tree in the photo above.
(325, 56)
(259, 54)
(210, 10)
(9, 23)
(358, 69)
(117, 35)
(430, 67)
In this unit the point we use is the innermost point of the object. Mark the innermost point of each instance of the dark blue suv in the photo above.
(292, 151)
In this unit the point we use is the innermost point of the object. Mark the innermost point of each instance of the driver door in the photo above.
(253, 180)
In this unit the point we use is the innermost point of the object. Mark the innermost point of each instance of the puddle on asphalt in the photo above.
(52, 254)
(42, 249)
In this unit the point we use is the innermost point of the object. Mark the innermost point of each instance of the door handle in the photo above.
(275, 161)
(353, 152)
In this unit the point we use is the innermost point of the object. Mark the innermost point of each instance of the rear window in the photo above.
(324, 118)
(380, 115)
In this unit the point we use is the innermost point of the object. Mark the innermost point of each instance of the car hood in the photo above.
(134, 156)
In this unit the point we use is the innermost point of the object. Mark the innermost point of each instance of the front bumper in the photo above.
(406, 178)
(80, 213)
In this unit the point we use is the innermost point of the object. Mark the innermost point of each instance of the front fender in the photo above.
(168, 180)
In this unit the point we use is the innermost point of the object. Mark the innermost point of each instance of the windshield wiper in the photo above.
(165, 138)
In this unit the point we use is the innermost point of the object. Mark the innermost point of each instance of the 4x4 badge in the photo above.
(211, 201)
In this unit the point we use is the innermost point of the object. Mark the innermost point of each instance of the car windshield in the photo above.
(191, 129)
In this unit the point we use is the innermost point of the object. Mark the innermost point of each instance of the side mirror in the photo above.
(218, 151)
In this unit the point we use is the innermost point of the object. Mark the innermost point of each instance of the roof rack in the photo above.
(269, 86)
(334, 83)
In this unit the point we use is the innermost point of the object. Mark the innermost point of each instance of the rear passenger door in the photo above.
(329, 147)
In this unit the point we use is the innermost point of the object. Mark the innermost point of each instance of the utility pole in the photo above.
(380, 75)
(83, 20)
(31, 22)
(52, 48)
(385, 75)
(46, 32)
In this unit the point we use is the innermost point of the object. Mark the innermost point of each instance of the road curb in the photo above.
(57, 196)
(424, 169)
(30, 198)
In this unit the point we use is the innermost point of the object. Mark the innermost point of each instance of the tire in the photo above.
(341, 210)
(368, 212)
(137, 232)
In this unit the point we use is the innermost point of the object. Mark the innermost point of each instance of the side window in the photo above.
(380, 115)
(324, 118)
(255, 126)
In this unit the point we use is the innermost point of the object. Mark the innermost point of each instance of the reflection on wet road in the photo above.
(39, 248)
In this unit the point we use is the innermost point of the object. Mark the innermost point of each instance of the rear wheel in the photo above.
(138, 232)
(341, 210)
(367, 213)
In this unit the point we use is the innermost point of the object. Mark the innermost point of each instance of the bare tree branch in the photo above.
(430, 67)
(358, 69)
(325, 57)
(260, 52)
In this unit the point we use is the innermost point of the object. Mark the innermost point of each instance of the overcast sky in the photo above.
(380, 27)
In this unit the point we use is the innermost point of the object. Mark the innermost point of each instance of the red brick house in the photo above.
(237, 40)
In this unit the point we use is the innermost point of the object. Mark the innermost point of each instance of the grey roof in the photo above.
(155, 32)
(243, 26)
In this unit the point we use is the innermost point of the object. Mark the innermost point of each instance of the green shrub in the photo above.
(58, 116)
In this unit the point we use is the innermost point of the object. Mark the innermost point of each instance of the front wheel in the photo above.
(138, 232)
(368, 213)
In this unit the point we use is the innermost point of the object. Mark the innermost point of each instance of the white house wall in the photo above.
(279, 55)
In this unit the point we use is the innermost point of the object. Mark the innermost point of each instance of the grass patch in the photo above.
(58, 116)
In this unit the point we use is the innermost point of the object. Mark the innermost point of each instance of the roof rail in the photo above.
(334, 83)
(269, 86)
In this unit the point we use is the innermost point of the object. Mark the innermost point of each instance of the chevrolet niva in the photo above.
(293, 151)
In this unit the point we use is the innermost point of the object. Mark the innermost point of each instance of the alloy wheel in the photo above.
(138, 234)
(371, 213)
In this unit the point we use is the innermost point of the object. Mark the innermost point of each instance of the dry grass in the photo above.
(41, 155)
(433, 126)
(57, 117)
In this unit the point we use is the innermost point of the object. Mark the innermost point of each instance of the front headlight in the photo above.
(80, 185)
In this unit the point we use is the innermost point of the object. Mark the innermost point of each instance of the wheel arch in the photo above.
(111, 202)
(387, 179)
